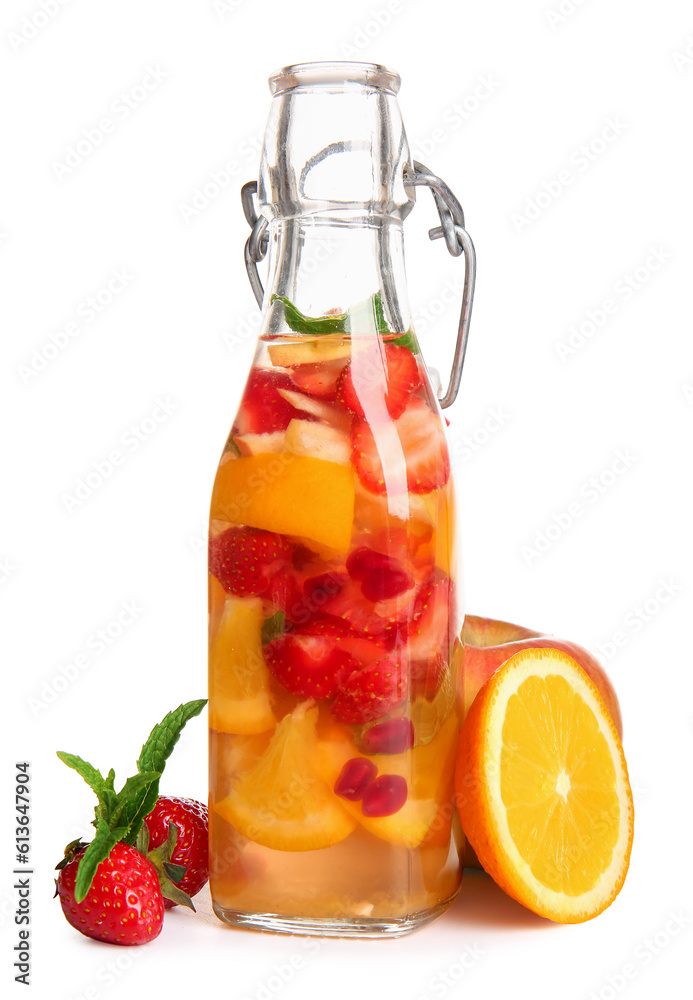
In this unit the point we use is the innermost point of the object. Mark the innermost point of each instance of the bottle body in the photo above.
(334, 658)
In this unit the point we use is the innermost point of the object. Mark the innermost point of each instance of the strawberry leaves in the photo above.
(119, 816)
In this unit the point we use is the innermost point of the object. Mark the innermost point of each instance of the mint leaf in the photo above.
(153, 756)
(316, 325)
(407, 340)
(272, 627)
(130, 796)
(368, 314)
(103, 787)
(91, 775)
(101, 846)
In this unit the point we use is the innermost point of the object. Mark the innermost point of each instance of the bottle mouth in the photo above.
(334, 75)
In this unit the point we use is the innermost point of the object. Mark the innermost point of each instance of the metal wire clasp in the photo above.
(458, 241)
(451, 228)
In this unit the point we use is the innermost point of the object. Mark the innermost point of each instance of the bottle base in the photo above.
(351, 927)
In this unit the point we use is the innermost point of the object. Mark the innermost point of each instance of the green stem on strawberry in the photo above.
(119, 816)
(169, 874)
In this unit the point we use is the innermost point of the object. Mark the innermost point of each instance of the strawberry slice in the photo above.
(244, 560)
(429, 624)
(263, 409)
(422, 441)
(347, 603)
(318, 379)
(372, 691)
(309, 661)
(402, 376)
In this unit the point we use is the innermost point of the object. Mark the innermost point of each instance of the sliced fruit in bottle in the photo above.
(316, 351)
(421, 443)
(238, 677)
(542, 787)
(288, 494)
(309, 437)
(281, 802)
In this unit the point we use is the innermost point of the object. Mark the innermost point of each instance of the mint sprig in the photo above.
(120, 815)
(370, 312)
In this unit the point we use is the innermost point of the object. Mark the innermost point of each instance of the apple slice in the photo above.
(307, 437)
(309, 352)
(328, 412)
(261, 444)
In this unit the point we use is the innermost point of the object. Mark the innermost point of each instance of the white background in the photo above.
(533, 89)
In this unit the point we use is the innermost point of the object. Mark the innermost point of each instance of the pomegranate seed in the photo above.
(354, 778)
(385, 796)
(381, 576)
(393, 736)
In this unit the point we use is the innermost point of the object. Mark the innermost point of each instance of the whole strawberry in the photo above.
(190, 819)
(124, 904)
(113, 889)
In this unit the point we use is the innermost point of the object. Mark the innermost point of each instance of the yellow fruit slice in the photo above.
(309, 352)
(289, 494)
(309, 437)
(542, 787)
(238, 678)
(281, 802)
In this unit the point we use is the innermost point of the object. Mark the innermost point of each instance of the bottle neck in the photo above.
(332, 264)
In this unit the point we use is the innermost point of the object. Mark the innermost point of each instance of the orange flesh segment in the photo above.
(557, 781)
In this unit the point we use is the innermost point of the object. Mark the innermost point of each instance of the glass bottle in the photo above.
(334, 596)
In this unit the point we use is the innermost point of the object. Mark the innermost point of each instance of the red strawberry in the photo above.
(190, 819)
(429, 625)
(318, 379)
(284, 592)
(372, 691)
(243, 559)
(262, 408)
(401, 377)
(381, 576)
(421, 439)
(309, 661)
(124, 904)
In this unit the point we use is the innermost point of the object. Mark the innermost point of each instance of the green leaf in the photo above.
(99, 849)
(130, 796)
(91, 775)
(407, 340)
(315, 325)
(153, 756)
(103, 787)
(272, 627)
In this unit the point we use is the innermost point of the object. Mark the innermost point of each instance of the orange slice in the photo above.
(290, 494)
(542, 787)
(238, 677)
(281, 802)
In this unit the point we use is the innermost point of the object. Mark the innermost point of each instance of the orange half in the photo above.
(542, 787)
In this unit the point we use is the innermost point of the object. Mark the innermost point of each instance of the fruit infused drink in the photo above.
(334, 667)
